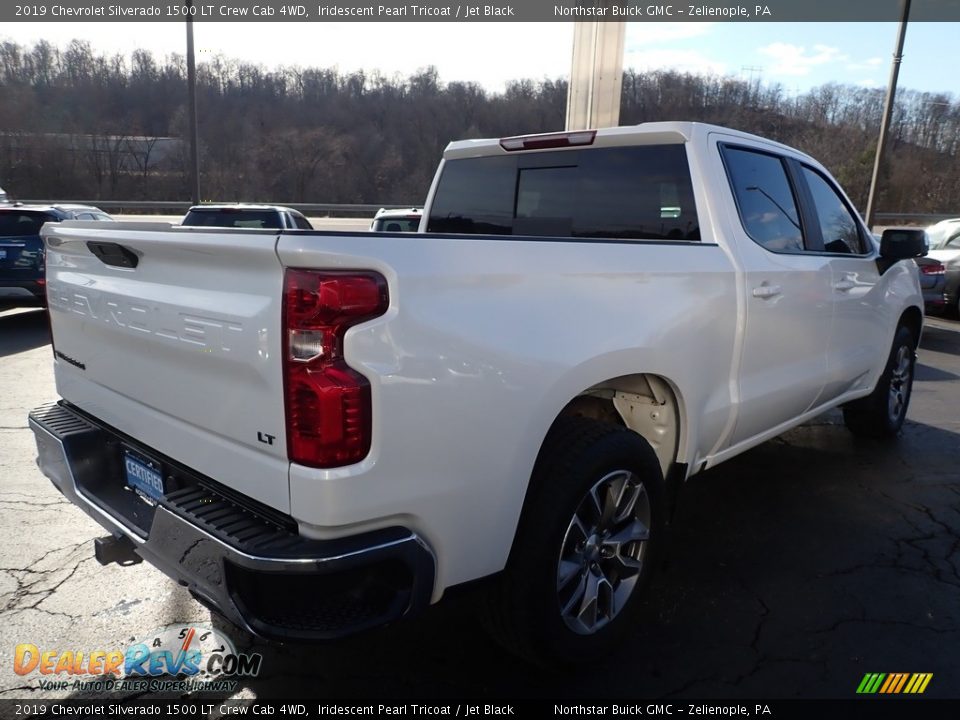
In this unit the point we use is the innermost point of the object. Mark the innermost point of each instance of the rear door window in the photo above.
(397, 224)
(13, 224)
(93, 215)
(840, 230)
(302, 223)
(641, 193)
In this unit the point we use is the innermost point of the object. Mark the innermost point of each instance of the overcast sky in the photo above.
(797, 55)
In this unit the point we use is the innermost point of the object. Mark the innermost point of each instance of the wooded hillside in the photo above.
(78, 124)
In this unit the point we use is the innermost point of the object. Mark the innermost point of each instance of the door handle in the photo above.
(766, 292)
(848, 283)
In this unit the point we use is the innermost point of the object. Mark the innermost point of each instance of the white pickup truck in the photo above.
(319, 432)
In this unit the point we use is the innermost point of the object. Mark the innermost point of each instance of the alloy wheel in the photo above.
(603, 552)
(900, 376)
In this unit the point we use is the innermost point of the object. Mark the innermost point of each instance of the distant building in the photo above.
(122, 153)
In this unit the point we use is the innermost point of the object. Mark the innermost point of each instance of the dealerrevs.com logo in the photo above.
(177, 658)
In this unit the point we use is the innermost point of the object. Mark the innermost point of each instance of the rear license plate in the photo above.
(143, 475)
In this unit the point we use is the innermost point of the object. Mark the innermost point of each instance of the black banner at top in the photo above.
(497, 11)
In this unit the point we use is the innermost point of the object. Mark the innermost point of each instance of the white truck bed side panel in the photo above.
(485, 342)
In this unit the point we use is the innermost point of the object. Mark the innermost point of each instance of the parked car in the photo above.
(22, 280)
(932, 282)
(405, 220)
(945, 247)
(246, 215)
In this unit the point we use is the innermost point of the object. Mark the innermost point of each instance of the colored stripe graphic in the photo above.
(927, 677)
(894, 683)
(900, 682)
(870, 683)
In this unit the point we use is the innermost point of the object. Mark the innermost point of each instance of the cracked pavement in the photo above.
(792, 570)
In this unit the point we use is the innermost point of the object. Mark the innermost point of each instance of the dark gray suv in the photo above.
(242, 215)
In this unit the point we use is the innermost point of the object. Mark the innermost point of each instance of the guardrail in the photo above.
(173, 207)
(176, 207)
(914, 218)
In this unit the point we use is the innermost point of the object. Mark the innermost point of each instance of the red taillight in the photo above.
(327, 403)
(548, 140)
(932, 269)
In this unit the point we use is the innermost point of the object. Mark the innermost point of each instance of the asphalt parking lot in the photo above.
(793, 570)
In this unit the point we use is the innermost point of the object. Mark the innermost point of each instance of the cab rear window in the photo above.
(641, 193)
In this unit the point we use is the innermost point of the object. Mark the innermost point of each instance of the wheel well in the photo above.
(912, 318)
(647, 404)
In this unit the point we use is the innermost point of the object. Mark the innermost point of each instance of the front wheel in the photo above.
(585, 547)
(882, 413)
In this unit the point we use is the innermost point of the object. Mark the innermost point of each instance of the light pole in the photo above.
(596, 75)
(192, 104)
(887, 113)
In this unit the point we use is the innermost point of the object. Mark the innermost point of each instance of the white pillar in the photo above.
(596, 75)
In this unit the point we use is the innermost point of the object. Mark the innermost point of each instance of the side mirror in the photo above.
(903, 244)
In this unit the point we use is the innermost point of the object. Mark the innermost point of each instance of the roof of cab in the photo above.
(653, 133)
(213, 207)
(398, 212)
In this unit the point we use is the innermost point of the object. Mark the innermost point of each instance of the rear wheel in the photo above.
(882, 413)
(585, 546)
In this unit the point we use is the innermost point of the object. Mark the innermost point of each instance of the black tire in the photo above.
(881, 413)
(525, 612)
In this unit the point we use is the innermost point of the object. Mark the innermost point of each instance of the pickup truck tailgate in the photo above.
(174, 338)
